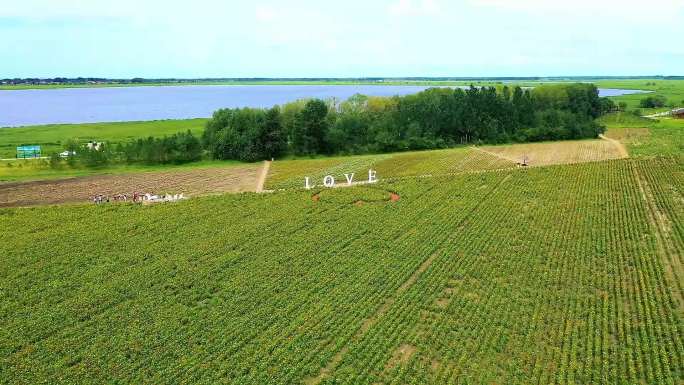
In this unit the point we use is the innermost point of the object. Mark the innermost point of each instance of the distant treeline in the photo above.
(435, 118)
(140, 80)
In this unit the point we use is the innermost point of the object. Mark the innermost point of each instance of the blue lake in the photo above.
(90, 105)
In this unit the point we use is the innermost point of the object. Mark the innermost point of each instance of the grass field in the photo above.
(551, 275)
(30, 170)
(673, 90)
(647, 137)
(53, 137)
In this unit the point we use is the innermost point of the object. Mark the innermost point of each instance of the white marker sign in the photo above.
(329, 180)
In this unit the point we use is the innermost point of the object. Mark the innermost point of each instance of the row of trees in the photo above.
(435, 118)
(179, 148)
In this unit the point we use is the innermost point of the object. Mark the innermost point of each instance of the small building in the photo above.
(678, 113)
(28, 152)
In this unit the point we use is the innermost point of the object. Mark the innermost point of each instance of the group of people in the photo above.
(100, 198)
(137, 198)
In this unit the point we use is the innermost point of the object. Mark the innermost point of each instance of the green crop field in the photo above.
(552, 275)
(291, 173)
(457, 267)
(53, 137)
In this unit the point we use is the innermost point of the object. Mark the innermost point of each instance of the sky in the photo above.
(350, 38)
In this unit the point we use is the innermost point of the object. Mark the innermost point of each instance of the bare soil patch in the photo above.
(565, 152)
(74, 190)
(401, 356)
(628, 135)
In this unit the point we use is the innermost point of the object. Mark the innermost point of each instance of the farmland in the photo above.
(220, 177)
(190, 181)
(458, 267)
(562, 274)
(291, 173)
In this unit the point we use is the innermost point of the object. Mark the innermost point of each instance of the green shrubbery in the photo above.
(178, 148)
(655, 101)
(435, 118)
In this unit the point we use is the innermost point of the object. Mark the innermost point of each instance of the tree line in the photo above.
(182, 147)
(434, 118)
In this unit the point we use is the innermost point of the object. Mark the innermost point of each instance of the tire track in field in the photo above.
(515, 161)
(370, 321)
(661, 225)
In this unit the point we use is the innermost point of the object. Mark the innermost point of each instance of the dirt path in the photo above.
(262, 177)
(516, 161)
(620, 147)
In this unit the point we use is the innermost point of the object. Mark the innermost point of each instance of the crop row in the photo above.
(291, 174)
(554, 279)
(547, 275)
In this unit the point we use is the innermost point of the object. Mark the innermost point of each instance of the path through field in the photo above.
(262, 176)
(480, 149)
(620, 147)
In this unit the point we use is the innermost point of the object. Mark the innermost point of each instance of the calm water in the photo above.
(90, 105)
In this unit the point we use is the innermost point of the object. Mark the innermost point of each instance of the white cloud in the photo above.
(606, 8)
(414, 7)
(265, 13)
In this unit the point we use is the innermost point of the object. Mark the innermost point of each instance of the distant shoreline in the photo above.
(109, 83)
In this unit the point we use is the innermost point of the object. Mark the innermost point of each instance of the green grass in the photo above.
(665, 136)
(673, 90)
(554, 275)
(30, 170)
(53, 137)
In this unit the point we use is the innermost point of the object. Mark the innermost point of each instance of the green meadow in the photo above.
(53, 137)
(646, 137)
(39, 169)
(673, 90)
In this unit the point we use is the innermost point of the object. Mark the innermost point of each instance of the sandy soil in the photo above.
(73, 190)
(629, 135)
(566, 152)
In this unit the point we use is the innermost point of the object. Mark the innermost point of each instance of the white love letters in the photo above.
(329, 180)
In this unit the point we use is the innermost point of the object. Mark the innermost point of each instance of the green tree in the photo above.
(311, 128)
(273, 137)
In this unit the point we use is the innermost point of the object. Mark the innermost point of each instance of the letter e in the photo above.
(372, 176)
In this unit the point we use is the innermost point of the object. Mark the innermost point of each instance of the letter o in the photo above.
(329, 181)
